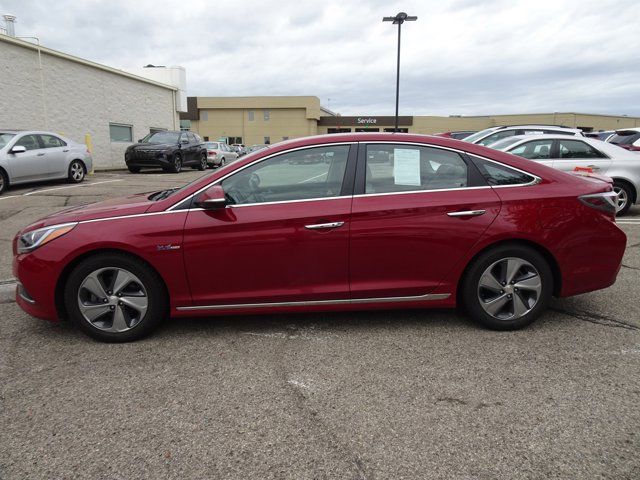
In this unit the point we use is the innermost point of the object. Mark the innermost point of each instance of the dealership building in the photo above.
(44, 89)
(256, 120)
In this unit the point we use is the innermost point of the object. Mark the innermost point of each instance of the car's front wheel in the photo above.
(507, 287)
(76, 172)
(4, 181)
(115, 297)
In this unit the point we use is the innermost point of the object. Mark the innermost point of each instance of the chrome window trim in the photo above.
(365, 142)
(215, 182)
(427, 297)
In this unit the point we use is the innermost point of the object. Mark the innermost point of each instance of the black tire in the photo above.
(472, 294)
(203, 162)
(134, 169)
(156, 297)
(176, 166)
(4, 181)
(223, 161)
(76, 172)
(625, 192)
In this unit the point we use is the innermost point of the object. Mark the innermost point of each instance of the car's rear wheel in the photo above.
(203, 162)
(507, 287)
(625, 196)
(176, 166)
(76, 172)
(4, 181)
(115, 298)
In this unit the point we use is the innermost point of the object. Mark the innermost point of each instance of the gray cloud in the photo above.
(460, 57)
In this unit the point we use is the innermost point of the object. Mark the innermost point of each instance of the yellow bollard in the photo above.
(89, 144)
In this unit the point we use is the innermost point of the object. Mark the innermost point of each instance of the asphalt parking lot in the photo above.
(383, 394)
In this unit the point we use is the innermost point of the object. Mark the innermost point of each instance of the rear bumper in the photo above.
(594, 263)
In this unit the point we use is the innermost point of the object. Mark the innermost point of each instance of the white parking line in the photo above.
(309, 179)
(11, 196)
(69, 186)
(626, 222)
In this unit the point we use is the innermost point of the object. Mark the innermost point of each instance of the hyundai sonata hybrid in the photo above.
(334, 222)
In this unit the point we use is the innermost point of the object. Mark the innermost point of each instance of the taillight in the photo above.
(211, 152)
(634, 148)
(605, 201)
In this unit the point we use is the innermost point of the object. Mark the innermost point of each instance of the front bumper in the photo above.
(158, 160)
(36, 289)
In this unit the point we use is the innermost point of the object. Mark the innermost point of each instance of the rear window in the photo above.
(497, 174)
(625, 138)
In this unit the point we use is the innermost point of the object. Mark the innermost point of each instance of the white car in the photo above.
(219, 153)
(565, 153)
(30, 156)
(493, 134)
(627, 138)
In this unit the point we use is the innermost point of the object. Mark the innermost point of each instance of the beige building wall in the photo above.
(254, 118)
(74, 97)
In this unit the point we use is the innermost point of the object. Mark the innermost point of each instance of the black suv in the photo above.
(168, 150)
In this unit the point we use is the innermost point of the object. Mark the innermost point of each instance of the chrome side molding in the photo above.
(427, 297)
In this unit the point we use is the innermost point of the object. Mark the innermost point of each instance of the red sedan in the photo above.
(373, 221)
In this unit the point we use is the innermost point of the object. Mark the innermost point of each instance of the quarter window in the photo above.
(303, 174)
(497, 174)
(30, 142)
(49, 141)
(578, 149)
(120, 133)
(535, 150)
(402, 168)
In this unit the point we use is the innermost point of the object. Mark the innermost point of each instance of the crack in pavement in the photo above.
(324, 431)
(596, 318)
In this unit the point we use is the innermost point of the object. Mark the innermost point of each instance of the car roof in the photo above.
(609, 148)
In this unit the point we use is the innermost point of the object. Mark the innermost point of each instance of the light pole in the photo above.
(399, 19)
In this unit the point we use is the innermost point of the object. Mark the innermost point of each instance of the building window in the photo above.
(399, 130)
(206, 138)
(266, 115)
(338, 130)
(250, 113)
(204, 115)
(120, 133)
(185, 125)
(267, 140)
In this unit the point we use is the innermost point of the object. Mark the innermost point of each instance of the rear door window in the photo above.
(400, 168)
(50, 141)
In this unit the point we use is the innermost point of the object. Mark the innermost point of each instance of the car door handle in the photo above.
(65, 150)
(467, 213)
(593, 167)
(40, 154)
(321, 226)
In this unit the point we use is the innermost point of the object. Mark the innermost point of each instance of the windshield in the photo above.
(5, 137)
(211, 145)
(478, 135)
(625, 137)
(504, 143)
(161, 137)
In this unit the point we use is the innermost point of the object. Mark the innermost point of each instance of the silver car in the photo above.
(219, 153)
(34, 156)
(493, 134)
(567, 153)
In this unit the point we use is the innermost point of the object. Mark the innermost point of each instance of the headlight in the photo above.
(36, 238)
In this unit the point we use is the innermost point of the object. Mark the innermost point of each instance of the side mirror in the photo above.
(212, 198)
(139, 140)
(18, 149)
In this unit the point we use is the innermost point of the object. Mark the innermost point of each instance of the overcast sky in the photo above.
(461, 56)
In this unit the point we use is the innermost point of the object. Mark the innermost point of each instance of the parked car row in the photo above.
(31, 156)
(581, 153)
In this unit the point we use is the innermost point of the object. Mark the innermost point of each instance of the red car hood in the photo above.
(131, 205)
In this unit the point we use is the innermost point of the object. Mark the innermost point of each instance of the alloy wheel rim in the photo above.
(509, 288)
(622, 197)
(177, 163)
(203, 162)
(112, 299)
(77, 172)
